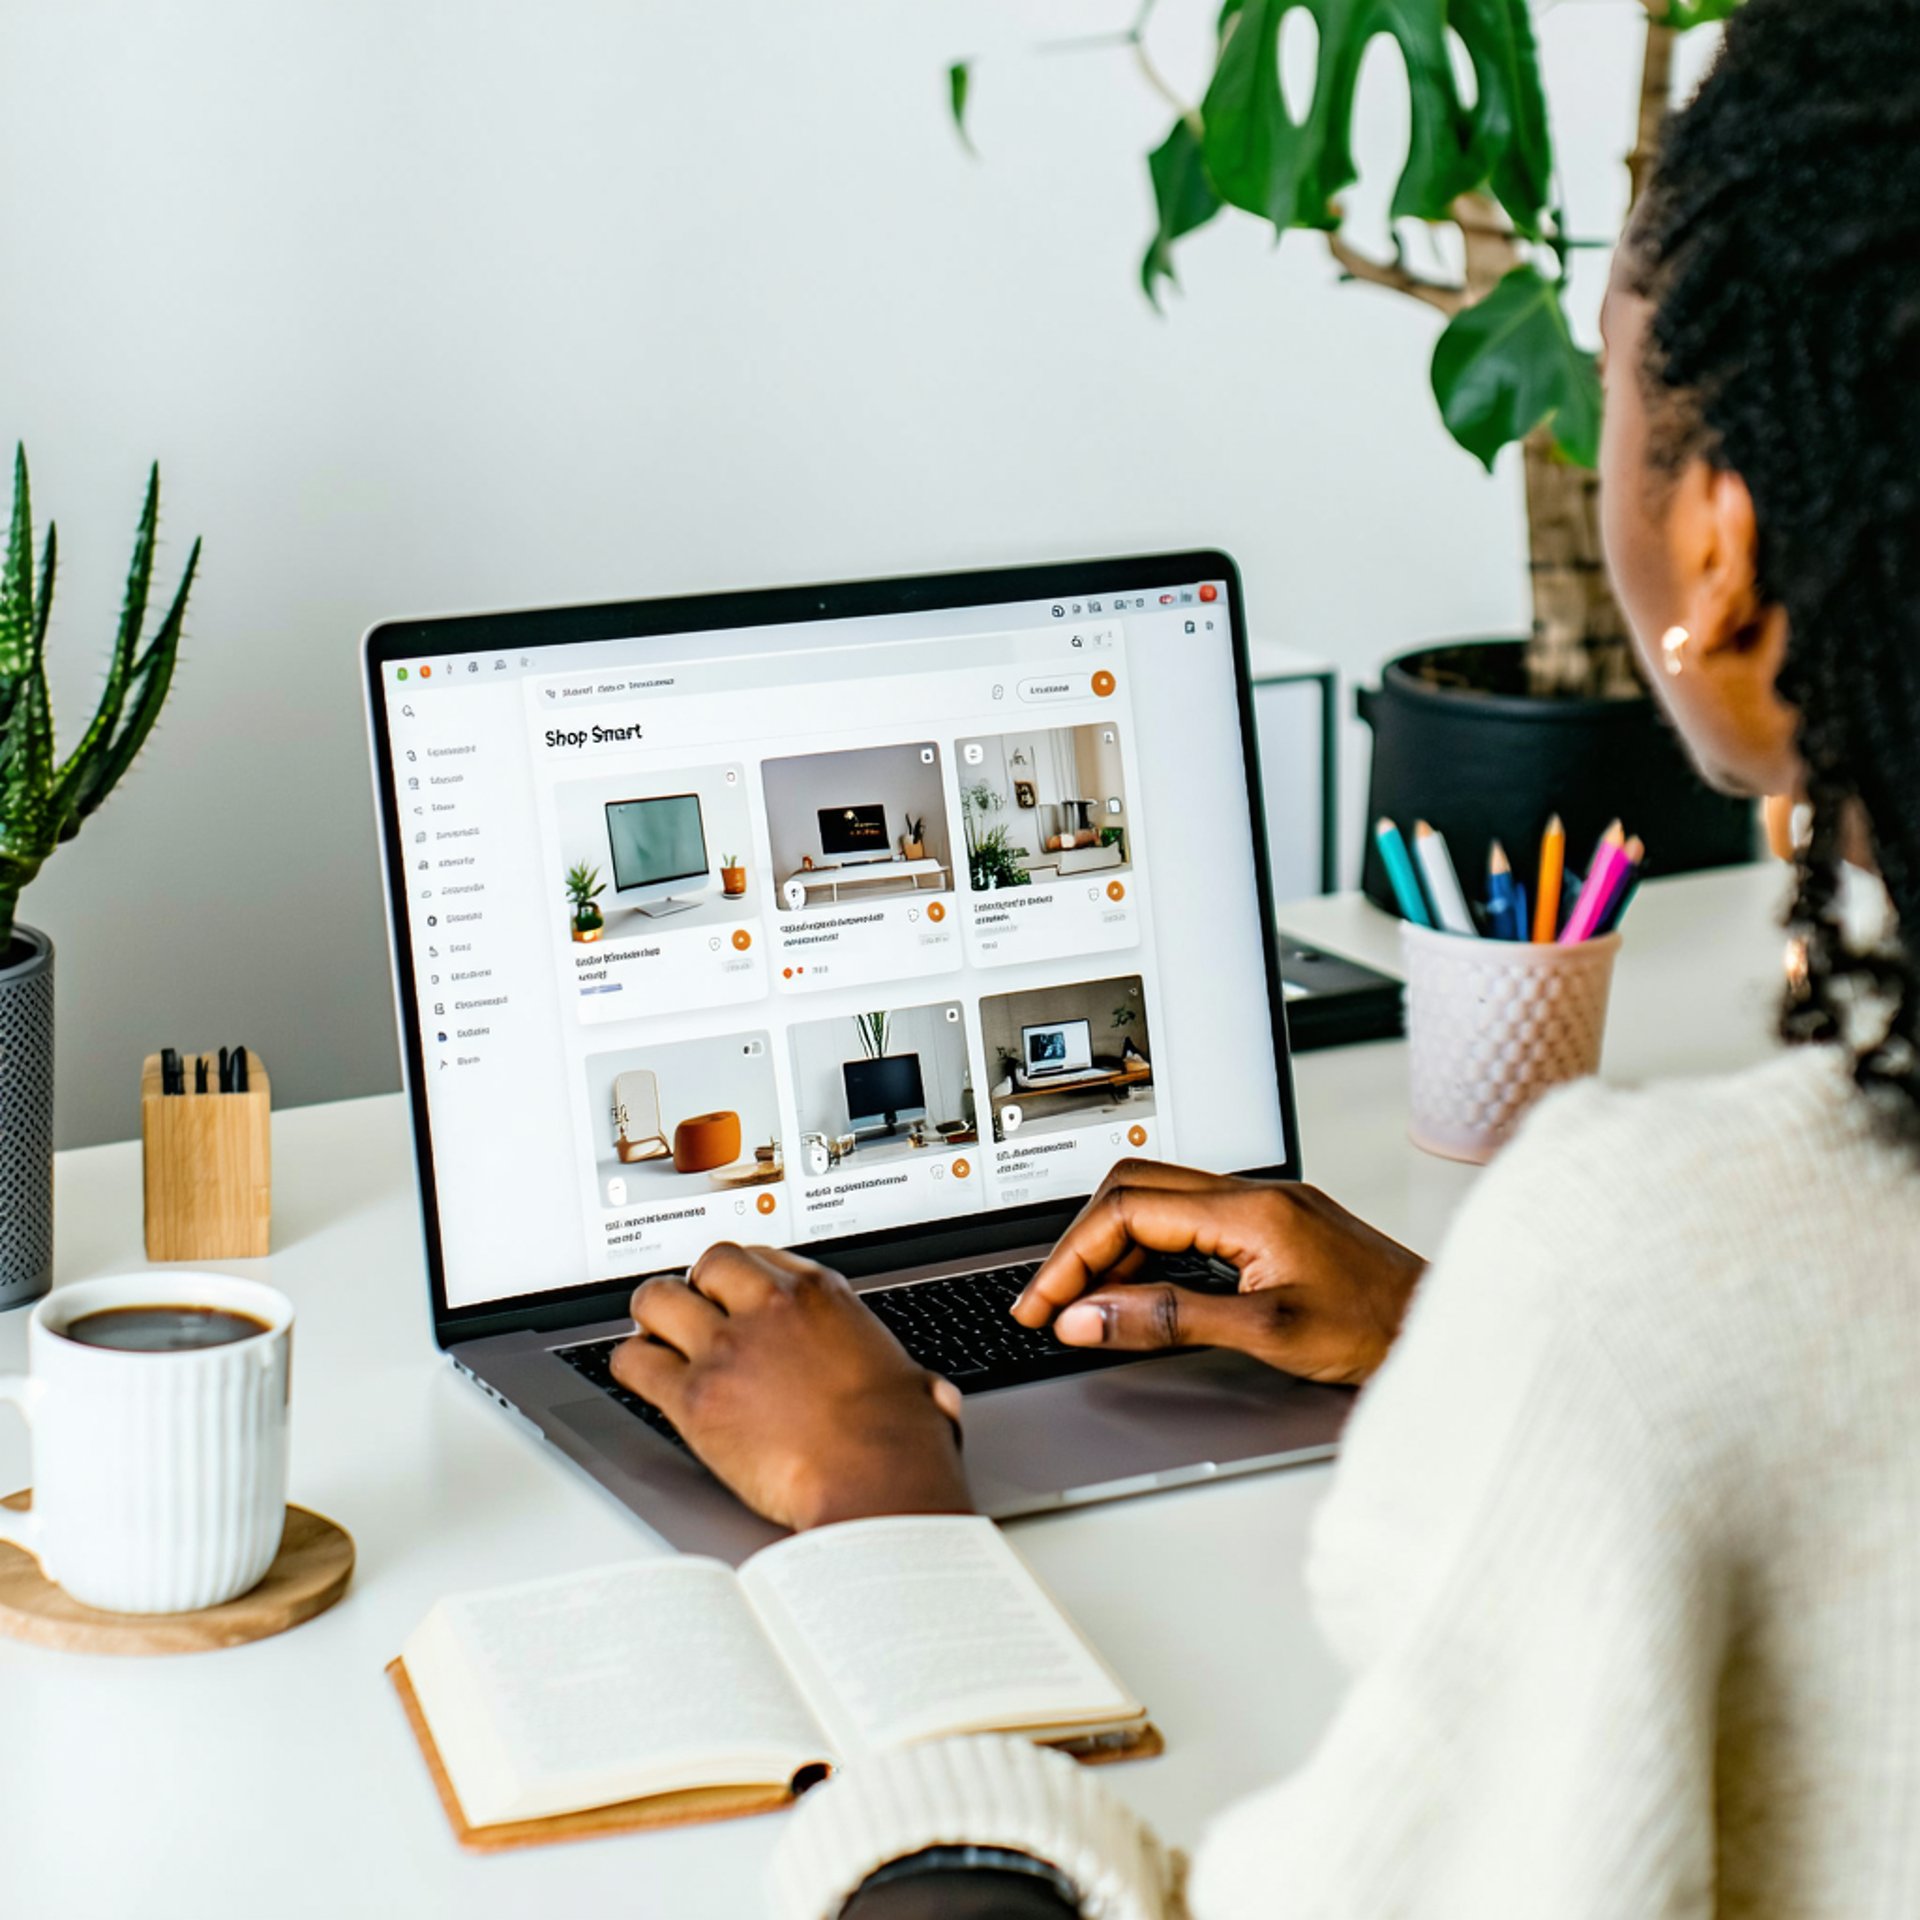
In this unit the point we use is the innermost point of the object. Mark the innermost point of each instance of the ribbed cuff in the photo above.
(987, 1791)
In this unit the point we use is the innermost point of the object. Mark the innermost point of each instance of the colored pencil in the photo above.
(1503, 911)
(1602, 886)
(1443, 883)
(1546, 901)
(1636, 856)
(1400, 874)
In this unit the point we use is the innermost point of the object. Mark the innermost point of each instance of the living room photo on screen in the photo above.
(1044, 805)
(882, 1085)
(640, 855)
(685, 1117)
(1068, 1056)
(856, 827)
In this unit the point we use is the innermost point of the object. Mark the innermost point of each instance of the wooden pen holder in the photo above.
(209, 1165)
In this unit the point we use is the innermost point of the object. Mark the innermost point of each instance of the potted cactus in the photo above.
(44, 801)
(733, 876)
(584, 888)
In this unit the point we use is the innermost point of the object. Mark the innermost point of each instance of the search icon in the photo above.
(408, 711)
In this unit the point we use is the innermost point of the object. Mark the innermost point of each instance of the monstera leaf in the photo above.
(1292, 173)
(1509, 362)
(1183, 198)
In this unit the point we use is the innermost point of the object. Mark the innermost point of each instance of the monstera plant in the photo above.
(1478, 189)
(45, 799)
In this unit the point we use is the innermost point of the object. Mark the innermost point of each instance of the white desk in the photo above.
(279, 1780)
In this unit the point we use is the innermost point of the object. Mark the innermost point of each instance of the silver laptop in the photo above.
(877, 920)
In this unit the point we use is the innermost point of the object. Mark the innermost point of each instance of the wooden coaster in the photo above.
(308, 1575)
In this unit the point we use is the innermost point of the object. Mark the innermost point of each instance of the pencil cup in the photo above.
(1491, 1026)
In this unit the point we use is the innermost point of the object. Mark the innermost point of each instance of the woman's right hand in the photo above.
(1322, 1294)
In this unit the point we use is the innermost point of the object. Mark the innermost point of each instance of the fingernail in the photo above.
(1082, 1325)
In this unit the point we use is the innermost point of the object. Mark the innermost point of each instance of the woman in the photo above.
(1623, 1550)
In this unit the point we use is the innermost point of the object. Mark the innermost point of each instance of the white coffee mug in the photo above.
(159, 1479)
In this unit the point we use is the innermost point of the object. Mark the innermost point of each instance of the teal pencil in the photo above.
(1400, 874)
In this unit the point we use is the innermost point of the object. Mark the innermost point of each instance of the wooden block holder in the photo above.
(209, 1165)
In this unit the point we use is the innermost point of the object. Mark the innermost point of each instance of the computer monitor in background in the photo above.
(855, 833)
(880, 1093)
(1057, 1046)
(659, 849)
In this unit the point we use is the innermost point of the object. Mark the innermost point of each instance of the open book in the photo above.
(660, 1691)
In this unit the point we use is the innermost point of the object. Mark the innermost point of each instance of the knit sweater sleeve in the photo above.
(1513, 1566)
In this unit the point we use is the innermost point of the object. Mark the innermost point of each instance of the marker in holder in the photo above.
(206, 1135)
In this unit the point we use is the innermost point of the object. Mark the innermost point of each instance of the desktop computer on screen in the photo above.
(659, 853)
(881, 1093)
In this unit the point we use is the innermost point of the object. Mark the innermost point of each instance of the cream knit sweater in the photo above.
(1623, 1549)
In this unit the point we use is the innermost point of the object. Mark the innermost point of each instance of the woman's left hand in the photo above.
(792, 1392)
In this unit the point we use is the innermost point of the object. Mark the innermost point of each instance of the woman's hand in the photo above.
(1321, 1293)
(792, 1392)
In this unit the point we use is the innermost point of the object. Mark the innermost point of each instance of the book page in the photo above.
(910, 1627)
(597, 1687)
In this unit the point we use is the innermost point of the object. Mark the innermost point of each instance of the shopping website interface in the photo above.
(788, 933)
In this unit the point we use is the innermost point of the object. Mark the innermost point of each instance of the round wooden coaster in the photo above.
(310, 1573)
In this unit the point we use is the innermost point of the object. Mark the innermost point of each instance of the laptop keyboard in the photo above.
(960, 1327)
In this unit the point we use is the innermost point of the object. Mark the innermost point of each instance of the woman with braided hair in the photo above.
(1623, 1550)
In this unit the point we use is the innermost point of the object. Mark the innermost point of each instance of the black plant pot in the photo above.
(26, 1118)
(1459, 742)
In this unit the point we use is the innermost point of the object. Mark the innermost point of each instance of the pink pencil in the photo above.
(1610, 873)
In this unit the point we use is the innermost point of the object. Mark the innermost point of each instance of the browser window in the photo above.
(799, 932)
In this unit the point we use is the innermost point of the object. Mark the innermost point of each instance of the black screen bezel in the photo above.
(400, 642)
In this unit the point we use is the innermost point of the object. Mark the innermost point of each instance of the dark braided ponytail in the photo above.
(1780, 245)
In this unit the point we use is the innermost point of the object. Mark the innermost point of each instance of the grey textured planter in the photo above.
(26, 1118)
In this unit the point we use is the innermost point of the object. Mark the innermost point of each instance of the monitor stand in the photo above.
(659, 909)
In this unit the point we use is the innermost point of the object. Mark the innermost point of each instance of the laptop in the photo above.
(599, 1093)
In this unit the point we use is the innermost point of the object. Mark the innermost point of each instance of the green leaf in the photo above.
(147, 688)
(16, 579)
(1292, 173)
(959, 84)
(1683, 14)
(1510, 361)
(1183, 199)
(71, 783)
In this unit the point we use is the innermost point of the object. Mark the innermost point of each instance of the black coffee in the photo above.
(163, 1329)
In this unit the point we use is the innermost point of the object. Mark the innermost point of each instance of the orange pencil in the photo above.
(1553, 865)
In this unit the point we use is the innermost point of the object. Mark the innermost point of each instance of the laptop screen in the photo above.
(803, 929)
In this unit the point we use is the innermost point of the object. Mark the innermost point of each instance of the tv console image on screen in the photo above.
(658, 849)
(881, 1093)
(1057, 1046)
(854, 834)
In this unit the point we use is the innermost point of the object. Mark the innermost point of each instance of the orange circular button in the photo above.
(742, 938)
(786, 973)
(1103, 683)
(961, 1169)
(766, 1201)
(1136, 1135)
(1115, 891)
(936, 911)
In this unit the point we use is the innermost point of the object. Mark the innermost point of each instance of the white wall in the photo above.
(891, 777)
(435, 303)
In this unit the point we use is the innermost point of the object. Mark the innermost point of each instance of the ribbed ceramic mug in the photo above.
(159, 1479)
(1491, 1026)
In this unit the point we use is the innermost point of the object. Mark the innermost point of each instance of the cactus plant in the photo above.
(44, 800)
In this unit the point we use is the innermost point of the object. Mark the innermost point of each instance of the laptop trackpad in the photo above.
(1027, 1445)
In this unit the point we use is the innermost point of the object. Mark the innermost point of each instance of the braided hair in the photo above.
(1779, 243)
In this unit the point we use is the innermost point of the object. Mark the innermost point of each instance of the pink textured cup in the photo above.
(1491, 1026)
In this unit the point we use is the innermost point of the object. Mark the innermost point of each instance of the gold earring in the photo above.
(1672, 645)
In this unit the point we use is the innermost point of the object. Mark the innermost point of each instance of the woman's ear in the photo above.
(1716, 538)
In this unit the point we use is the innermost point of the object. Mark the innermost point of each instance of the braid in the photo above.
(1780, 245)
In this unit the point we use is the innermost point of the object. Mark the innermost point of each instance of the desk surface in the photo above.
(280, 1776)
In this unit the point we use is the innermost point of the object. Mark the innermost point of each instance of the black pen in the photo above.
(226, 1072)
(170, 1075)
(239, 1069)
(199, 1073)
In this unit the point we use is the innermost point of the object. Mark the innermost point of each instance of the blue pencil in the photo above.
(1505, 915)
(1400, 874)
